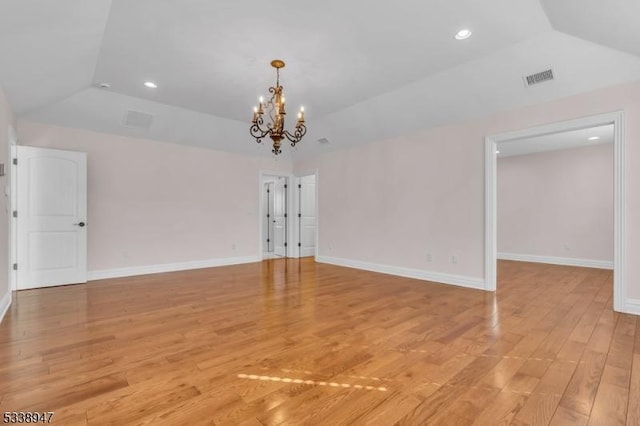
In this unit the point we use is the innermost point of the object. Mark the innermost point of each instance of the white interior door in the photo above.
(268, 229)
(307, 215)
(51, 217)
(279, 217)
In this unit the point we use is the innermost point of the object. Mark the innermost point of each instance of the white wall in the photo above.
(153, 203)
(557, 205)
(396, 201)
(6, 119)
(388, 205)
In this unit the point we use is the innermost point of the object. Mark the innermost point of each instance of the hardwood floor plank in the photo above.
(633, 411)
(395, 407)
(503, 372)
(612, 399)
(582, 389)
(610, 406)
(466, 408)
(537, 410)
(502, 410)
(565, 417)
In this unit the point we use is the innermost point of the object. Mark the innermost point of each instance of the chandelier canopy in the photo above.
(275, 111)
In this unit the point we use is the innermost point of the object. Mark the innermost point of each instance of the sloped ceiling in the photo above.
(49, 49)
(612, 23)
(355, 67)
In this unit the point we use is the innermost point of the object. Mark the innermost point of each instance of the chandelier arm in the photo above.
(257, 131)
(297, 135)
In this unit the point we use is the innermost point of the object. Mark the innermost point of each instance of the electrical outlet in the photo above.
(567, 248)
(330, 246)
(233, 247)
(429, 257)
(454, 259)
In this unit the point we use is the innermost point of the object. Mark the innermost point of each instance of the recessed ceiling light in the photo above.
(497, 152)
(594, 138)
(104, 85)
(150, 85)
(463, 34)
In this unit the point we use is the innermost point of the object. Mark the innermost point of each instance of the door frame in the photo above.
(616, 118)
(12, 200)
(288, 209)
(298, 176)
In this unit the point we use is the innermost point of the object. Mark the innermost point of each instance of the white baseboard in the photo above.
(633, 306)
(169, 267)
(5, 303)
(566, 261)
(267, 256)
(438, 277)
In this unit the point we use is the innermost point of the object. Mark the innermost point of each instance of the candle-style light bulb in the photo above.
(281, 106)
(261, 99)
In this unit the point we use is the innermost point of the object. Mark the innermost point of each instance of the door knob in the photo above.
(80, 224)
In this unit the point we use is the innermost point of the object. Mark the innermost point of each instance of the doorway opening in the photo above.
(274, 216)
(555, 199)
(517, 140)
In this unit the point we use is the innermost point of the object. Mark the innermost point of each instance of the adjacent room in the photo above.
(330, 213)
(555, 198)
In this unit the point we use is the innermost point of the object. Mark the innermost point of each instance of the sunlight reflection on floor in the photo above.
(309, 382)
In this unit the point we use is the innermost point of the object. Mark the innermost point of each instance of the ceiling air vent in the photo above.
(323, 140)
(137, 119)
(539, 77)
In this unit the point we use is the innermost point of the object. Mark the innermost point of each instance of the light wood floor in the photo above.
(295, 342)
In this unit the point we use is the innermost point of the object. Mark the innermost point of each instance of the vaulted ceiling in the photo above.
(357, 66)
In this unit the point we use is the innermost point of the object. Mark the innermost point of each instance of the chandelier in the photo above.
(274, 108)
